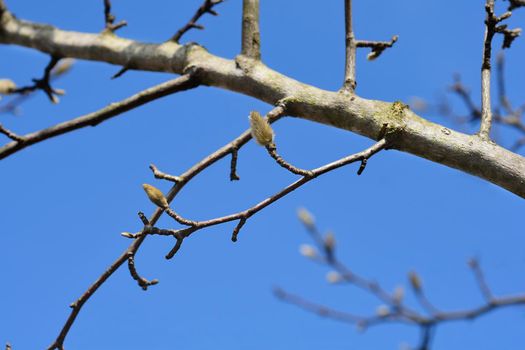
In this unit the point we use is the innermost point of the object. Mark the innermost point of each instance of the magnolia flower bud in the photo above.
(261, 130)
(333, 277)
(127, 235)
(308, 251)
(415, 281)
(63, 67)
(399, 294)
(156, 196)
(6, 86)
(306, 217)
(329, 241)
(382, 311)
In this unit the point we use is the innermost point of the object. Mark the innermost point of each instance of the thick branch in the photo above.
(365, 117)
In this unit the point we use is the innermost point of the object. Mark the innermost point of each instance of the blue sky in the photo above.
(65, 201)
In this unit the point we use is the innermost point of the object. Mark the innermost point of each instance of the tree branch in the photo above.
(182, 83)
(139, 238)
(394, 309)
(350, 50)
(251, 38)
(109, 19)
(414, 134)
(206, 7)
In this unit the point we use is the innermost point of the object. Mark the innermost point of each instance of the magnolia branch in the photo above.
(242, 216)
(149, 223)
(415, 135)
(184, 82)
(492, 26)
(393, 308)
(206, 7)
(109, 18)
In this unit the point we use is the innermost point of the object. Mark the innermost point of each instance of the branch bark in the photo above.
(251, 37)
(408, 132)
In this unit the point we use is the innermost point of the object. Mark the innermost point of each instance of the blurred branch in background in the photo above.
(392, 307)
(505, 113)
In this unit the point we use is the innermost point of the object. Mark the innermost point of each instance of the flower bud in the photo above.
(329, 241)
(156, 196)
(308, 251)
(415, 281)
(261, 130)
(306, 217)
(333, 277)
(6, 86)
(399, 294)
(382, 311)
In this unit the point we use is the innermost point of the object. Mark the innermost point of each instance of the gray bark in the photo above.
(406, 131)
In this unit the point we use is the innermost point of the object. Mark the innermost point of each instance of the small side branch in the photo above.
(109, 18)
(44, 83)
(480, 279)
(182, 83)
(377, 47)
(516, 4)
(163, 176)
(349, 83)
(233, 165)
(206, 7)
(143, 283)
(491, 28)
(272, 151)
(10, 134)
(251, 37)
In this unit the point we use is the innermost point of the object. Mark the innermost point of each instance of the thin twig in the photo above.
(245, 214)
(233, 166)
(206, 7)
(10, 134)
(143, 283)
(394, 310)
(480, 279)
(377, 47)
(175, 189)
(61, 69)
(43, 83)
(182, 83)
(272, 151)
(163, 176)
(109, 19)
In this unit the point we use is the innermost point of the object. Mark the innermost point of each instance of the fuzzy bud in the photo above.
(261, 130)
(127, 235)
(399, 294)
(6, 86)
(415, 281)
(329, 241)
(308, 251)
(333, 277)
(64, 67)
(382, 311)
(306, 217)
(372, 55)
(156, 196)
